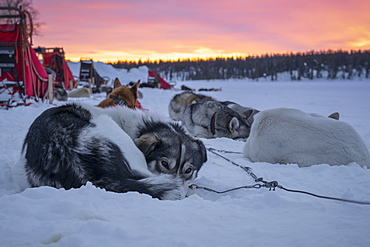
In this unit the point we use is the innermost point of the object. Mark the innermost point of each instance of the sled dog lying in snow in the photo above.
(206, 117)
(82, 92)
(180, 101)
(121, 95)
(246, 112)
(291, 136)
(117, 148)
(212, 119)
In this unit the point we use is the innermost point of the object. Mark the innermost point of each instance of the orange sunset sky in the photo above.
(113, 30)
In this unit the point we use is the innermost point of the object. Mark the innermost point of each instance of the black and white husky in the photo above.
(116, 148)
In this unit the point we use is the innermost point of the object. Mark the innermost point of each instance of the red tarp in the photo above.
(156, 78)
(35, 76)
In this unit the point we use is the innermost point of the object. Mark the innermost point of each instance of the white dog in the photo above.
(291, 136)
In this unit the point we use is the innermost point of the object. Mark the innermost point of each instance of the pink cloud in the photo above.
(168, 26)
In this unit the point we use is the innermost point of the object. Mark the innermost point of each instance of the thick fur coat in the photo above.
(116, 148)
(213, 119)
(206, 117)
(180, 101)
(127, 95)
(286, 135)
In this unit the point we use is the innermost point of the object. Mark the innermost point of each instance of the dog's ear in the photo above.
(334, 115)
(116, 83)
(134, 88)
(203, 150)
(249, 114)
(233, 124)
(147, 143)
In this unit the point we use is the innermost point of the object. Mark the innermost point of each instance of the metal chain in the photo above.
(245, 168)
(224, 151)
(256, 186)
(270, 185)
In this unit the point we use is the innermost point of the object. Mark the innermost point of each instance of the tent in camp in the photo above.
(21, 73)
(157, 81)
(54, 61)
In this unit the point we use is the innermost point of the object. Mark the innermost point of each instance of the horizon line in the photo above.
(198, 57)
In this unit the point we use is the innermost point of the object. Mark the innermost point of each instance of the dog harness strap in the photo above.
(119, 101)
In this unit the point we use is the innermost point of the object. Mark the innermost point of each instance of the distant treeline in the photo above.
(328, 64)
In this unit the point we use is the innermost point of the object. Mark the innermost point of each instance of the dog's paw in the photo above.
(175, 194)
(165, 187)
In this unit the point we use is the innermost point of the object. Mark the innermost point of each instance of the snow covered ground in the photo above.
(89, 216)
(107, 71)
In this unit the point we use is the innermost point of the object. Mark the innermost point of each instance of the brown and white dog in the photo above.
(122, 95)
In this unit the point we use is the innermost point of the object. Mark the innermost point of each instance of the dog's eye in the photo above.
(189, 170)
(165, 164)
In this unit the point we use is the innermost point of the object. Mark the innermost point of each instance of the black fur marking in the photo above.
(49, 142)
(151, 126)
(56, 156)
(111, 171)
(174, 136)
